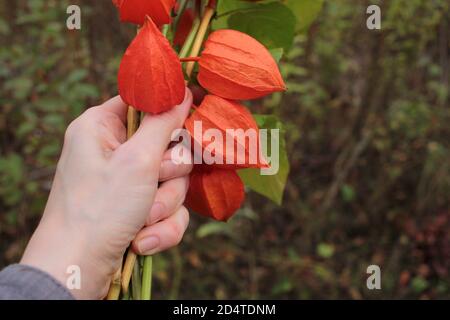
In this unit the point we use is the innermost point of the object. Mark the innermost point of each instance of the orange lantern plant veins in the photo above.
(235, 66)
(235, 124)
(215, 193)
(150, 74)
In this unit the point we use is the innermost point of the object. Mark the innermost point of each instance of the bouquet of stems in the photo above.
(202, 44)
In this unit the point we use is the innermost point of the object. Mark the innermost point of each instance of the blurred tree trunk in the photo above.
(8, 12)
(106, 37)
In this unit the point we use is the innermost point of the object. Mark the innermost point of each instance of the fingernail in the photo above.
(148, 244)
(157, 212)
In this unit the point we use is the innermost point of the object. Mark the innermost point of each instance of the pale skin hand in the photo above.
(105, 195)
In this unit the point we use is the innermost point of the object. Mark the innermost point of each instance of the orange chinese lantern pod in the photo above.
(214, 192)
(235, 66)
(184, 27)
(150, 74)
(135, 11)
(236, 135)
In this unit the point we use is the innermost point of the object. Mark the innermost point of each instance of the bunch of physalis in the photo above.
(232, 66)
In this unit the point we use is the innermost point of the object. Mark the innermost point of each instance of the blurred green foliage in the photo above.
(366, 119)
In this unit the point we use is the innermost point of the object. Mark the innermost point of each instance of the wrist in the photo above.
(68, 256)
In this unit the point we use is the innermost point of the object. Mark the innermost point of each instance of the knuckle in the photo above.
(144, 160)
(111, 119)
(184, 212)
(135, 158)
(164, 120)
(172, 190)
(92, 112)
(135, 246)
(184, 185)
(70, 131)
(88, 117)
(181, 157)
(176, 231)
(178, 227)
(176, 191)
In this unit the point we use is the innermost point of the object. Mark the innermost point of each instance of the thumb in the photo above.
(154, 133)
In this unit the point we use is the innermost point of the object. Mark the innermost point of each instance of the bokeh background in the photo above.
(367, 120)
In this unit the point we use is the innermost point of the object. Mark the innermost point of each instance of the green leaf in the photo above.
(272, 24)
(12, 174)
(4, 27)
(47, 154)
(273, 186)
(277, 54)
(347, 193)
(419, 284)
(20, 87)
(224, 9)
(306, 12)
(283, 286)
(212, 228)
(325, 250)
(77, 75)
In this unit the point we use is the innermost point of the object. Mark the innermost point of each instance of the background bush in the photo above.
(367, 119)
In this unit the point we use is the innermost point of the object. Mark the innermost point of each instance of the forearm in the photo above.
(68, 255)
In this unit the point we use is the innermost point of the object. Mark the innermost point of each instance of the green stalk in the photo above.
(200, 37)
(190, 39)
(136, 281)
(183, 5)
(146, 293)
(165, 30)
(126, 295)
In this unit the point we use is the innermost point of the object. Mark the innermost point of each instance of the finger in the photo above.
(110, 128)
(163, 235)
(97, 129)
(155, 131)
(142, 154)
(177, 162)
(116, 106)
(168, 199)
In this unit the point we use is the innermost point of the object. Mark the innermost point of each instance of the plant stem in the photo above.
(165, 30)
(190, 39)
(132, 121)
(136, 281)
(128, 269)
(188, 59)
(125, 275)
(209, 13)
(146, 293)
(126, 295)
(182, 8)
(114, 289)
(116, 283)
(178, 273)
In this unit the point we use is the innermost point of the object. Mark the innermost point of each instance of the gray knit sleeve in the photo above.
(21, 282)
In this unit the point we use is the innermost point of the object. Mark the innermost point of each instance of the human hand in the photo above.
(105, 195)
